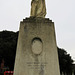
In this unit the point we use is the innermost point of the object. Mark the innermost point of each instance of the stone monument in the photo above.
(36, 49)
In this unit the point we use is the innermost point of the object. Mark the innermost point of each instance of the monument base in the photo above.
(36, 50)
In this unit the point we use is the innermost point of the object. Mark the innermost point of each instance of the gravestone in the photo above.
(36, 50)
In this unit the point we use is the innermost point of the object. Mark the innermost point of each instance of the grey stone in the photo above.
(36, 50)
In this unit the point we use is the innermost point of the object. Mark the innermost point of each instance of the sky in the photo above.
(61, 12)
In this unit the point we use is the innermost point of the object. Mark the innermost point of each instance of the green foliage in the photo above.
(8, 42)
(65, 61)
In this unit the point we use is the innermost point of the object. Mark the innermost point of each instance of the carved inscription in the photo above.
(36, 65)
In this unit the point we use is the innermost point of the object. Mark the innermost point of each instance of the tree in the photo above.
(65, 61)
(8, 42)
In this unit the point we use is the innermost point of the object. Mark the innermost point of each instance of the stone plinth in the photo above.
(36, 50)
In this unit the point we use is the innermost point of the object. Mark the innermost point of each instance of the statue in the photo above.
(38, 8)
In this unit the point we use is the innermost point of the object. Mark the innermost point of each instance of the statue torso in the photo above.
(38, 8)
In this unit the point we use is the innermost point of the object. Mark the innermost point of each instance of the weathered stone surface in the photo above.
(36, 50)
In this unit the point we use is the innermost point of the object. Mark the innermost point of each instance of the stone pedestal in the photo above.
(36, 50)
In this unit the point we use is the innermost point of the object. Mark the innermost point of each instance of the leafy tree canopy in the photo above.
(8, 42)
(65, 61)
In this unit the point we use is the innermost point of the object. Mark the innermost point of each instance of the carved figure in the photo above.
(38, 8)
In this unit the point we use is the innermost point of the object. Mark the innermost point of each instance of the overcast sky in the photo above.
(61, 12)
